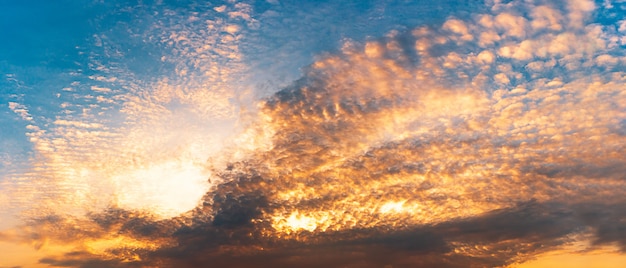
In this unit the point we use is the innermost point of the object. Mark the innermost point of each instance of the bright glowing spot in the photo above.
(24, 255)
(103, 246)
(298, 222)
(605, 257)
(391, 207)
(166, 190)
(232, 29)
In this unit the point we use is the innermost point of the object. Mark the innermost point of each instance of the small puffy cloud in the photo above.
(220, 9)
(502, 78)
(606, 60)
(541, 66)
(579, 11)
(488, 38)
(20, 110)
(545, 17)
(511, 25)
(373, 50)
(100, 89)
(486, 57)
(458, 27)
(622, 26)
(522, 51)
(231, 29)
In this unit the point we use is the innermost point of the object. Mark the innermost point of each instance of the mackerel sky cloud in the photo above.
(311, 134)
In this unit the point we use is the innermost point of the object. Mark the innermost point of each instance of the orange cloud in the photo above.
(485, 153)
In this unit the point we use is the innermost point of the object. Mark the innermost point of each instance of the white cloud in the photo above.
(512, 25)
(488, 38)
(622, 26)
(220, 9)
(486, 57)
(373, 50)
(21, 110)
(502, 78)
(485, 20)
(579, 11)
(540, 66)
(100, 89)
(606, 60)
(458, 27)
(546, 17)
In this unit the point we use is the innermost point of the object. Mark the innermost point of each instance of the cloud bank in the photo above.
(480, 142)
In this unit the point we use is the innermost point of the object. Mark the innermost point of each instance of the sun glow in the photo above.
(295, 222)
(164, 189)
(392, 207)
(103, 246)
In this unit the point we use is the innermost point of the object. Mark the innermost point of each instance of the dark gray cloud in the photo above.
(84, 260)
(527, 228)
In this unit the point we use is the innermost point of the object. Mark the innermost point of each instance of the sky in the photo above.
(313, 133)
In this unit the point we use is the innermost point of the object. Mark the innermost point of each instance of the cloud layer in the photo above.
(482, 141)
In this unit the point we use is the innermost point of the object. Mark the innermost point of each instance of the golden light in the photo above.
(165, 189)
(577, 257)
(392, 207)
(295, 222)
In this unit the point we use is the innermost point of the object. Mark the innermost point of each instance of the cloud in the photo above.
(20, 110)
(123, 141)
(83, 259)
(496, 238)
(546, 17)
(430, 147)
